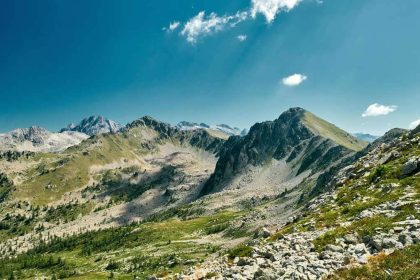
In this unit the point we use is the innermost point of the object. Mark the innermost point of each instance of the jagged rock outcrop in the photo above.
(94, 125)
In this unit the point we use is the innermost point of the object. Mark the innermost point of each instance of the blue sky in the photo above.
(61, 61)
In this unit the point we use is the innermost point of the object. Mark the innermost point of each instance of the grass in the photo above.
(136, 250)
(400, 265)
(240, 252)
(60, 173)
(332, 132)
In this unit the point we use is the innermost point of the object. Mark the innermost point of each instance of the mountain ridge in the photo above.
(38, 139)
(296, 136)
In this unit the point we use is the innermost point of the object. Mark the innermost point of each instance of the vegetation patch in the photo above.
(240, 251)
(402, 264)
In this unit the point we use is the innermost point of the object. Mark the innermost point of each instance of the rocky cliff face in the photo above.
(288, 138)
(94, 125)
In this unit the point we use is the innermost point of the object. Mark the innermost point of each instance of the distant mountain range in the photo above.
(365, 137)
(222, 128)
(37, 139)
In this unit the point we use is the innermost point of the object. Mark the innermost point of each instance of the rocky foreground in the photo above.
(310, 248)
(293, 256)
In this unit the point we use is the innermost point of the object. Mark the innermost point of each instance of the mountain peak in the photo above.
(297, 112)
(94, 125)
(297, 137)
(165, 129)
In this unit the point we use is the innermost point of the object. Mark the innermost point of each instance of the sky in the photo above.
(354, 63)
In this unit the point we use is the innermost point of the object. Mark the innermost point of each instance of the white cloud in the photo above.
(174, 25)
(241, 37)
(376, 109)
(200, 25)
(414, 124)
(270, 8)
(294, 80)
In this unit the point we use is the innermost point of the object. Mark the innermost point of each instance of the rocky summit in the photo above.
(294, 198)
(94, 125)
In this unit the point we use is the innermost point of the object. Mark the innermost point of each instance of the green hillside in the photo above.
(332, 132)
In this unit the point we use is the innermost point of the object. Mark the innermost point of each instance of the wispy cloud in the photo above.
(241, 37)
(270, 8)
(414, 124)
(172, 26)
(202, 25)
(294, 80)
(376, 109)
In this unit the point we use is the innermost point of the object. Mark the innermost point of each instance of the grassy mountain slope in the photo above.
(330, 131)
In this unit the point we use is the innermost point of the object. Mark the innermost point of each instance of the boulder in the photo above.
(360, 249)
(265, 233)
(351, 239)
(389, 243)
(243, 262)
(334, 248)
(376, 243)
(409, 167)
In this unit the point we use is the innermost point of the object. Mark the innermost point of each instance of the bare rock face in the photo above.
(410, 167)
(94, 125)
(287, 138)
